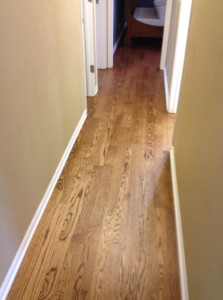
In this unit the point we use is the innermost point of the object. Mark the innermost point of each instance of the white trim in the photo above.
(166, 34)
(104, 25)
(84, 46)
(180, 243)
(166, 86)
(95, 90)
(110, 27)
(7, 283)
(90, 46)
(180, 49)
(101, 25)
(119, 38)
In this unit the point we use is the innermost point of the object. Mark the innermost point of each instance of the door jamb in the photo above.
(89, 50)
(166, 34)
(104, 21)
(110, 20)
(180, 49)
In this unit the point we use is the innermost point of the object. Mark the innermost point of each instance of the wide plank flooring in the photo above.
(108, 231)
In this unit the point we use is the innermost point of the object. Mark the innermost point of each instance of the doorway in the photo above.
(98, 29)
(97, 20)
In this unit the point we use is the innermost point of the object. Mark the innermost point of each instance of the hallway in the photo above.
(109, 231)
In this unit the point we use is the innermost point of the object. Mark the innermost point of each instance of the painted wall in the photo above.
(198, 143)
(41, 101)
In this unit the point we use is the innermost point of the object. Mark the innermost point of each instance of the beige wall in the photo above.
(198, 146)
(41, 101)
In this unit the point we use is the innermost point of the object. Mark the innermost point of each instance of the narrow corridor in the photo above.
(109, 231)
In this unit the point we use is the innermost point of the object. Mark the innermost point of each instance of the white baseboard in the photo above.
(180, 243)
(119, 38)
(166, 87)
(7, 283)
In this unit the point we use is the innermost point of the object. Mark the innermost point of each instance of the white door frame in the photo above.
(166, 34)
(89, 49)
(110, 14)
(180, 48)
(178, 63)
(104, 21)
(83, 44)
(101, 23)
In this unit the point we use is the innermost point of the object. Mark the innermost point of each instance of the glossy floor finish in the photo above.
(108, 231)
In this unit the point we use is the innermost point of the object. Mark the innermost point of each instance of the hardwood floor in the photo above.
(108, 231)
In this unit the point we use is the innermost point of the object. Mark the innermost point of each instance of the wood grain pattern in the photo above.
(108, 231)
